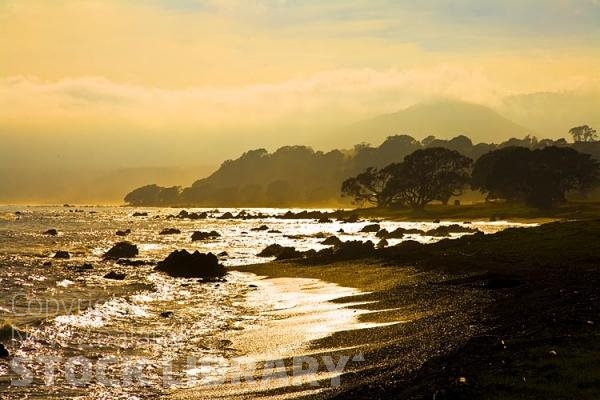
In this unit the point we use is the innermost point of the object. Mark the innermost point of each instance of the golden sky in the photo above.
(262, 72)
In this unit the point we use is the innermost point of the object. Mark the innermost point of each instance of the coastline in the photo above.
(515, 315)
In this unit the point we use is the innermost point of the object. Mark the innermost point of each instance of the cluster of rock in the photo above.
(183, 214)
(200, 235)
(440, 231)
(182, 264)
(337, 252)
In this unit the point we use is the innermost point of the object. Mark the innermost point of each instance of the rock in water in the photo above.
(3, 351)
(199, 235)
(122, 250)
(170, 231)
(62, 254)
(117, 276)
(181, 264)
(331, 241)
(371, 228)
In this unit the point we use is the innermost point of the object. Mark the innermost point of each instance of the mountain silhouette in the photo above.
(441, 118)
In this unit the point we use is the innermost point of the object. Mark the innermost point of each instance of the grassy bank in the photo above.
(504, 316)
(486, 211)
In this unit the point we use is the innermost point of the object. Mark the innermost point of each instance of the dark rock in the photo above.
(51, 232)
(199, 235)
(84, 267)
(47, 264)
(436, 221)
(350, 219)
(140, 214)
(354, 248)
(274, 231)
(371, 228)
(226, 215)
(331, 241)
(170, 231)
(252, 286)
(324, 220)
(133, 263)
(280, 252)
(341, 230)
(183, 214)
(382, 243)
(122, 250)
(117, 276)
(260, 228)
(123, 233)
(446, 230)
(62, 255)
(166, 314)
(3, 351)
(182, 264)
(223, 254)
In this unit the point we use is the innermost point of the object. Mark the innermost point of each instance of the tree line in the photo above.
(300, 176)
(539, 178)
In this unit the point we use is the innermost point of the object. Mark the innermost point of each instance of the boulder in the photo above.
(140, 214)
(331, 241)
(324, 220)
(274, 231)
(166, 314)
(170, 231)
(182, 264)
(226, 215)
(199, 235)
(51, 232)
(260, 228)
(122, 250)
(62, 255)
(371, 228)
(117, 276)
(123, 233)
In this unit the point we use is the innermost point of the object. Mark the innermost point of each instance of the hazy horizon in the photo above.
(108, 85)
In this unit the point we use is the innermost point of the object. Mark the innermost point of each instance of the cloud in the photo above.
(327, 96)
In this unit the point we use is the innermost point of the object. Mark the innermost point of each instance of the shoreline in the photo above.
(512, 306)
(303, 311)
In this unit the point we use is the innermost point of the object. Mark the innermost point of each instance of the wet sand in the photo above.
(304, 310)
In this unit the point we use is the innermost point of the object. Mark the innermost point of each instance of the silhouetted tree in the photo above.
(583, 133)
(368, 186)
(540, 178)
(426, 175)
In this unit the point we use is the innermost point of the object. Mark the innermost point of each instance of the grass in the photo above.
(487, 211)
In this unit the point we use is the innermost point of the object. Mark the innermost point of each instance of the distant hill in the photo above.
(299, 176)
(441, 118)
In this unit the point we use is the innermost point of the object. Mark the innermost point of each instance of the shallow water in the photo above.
(59, 311)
